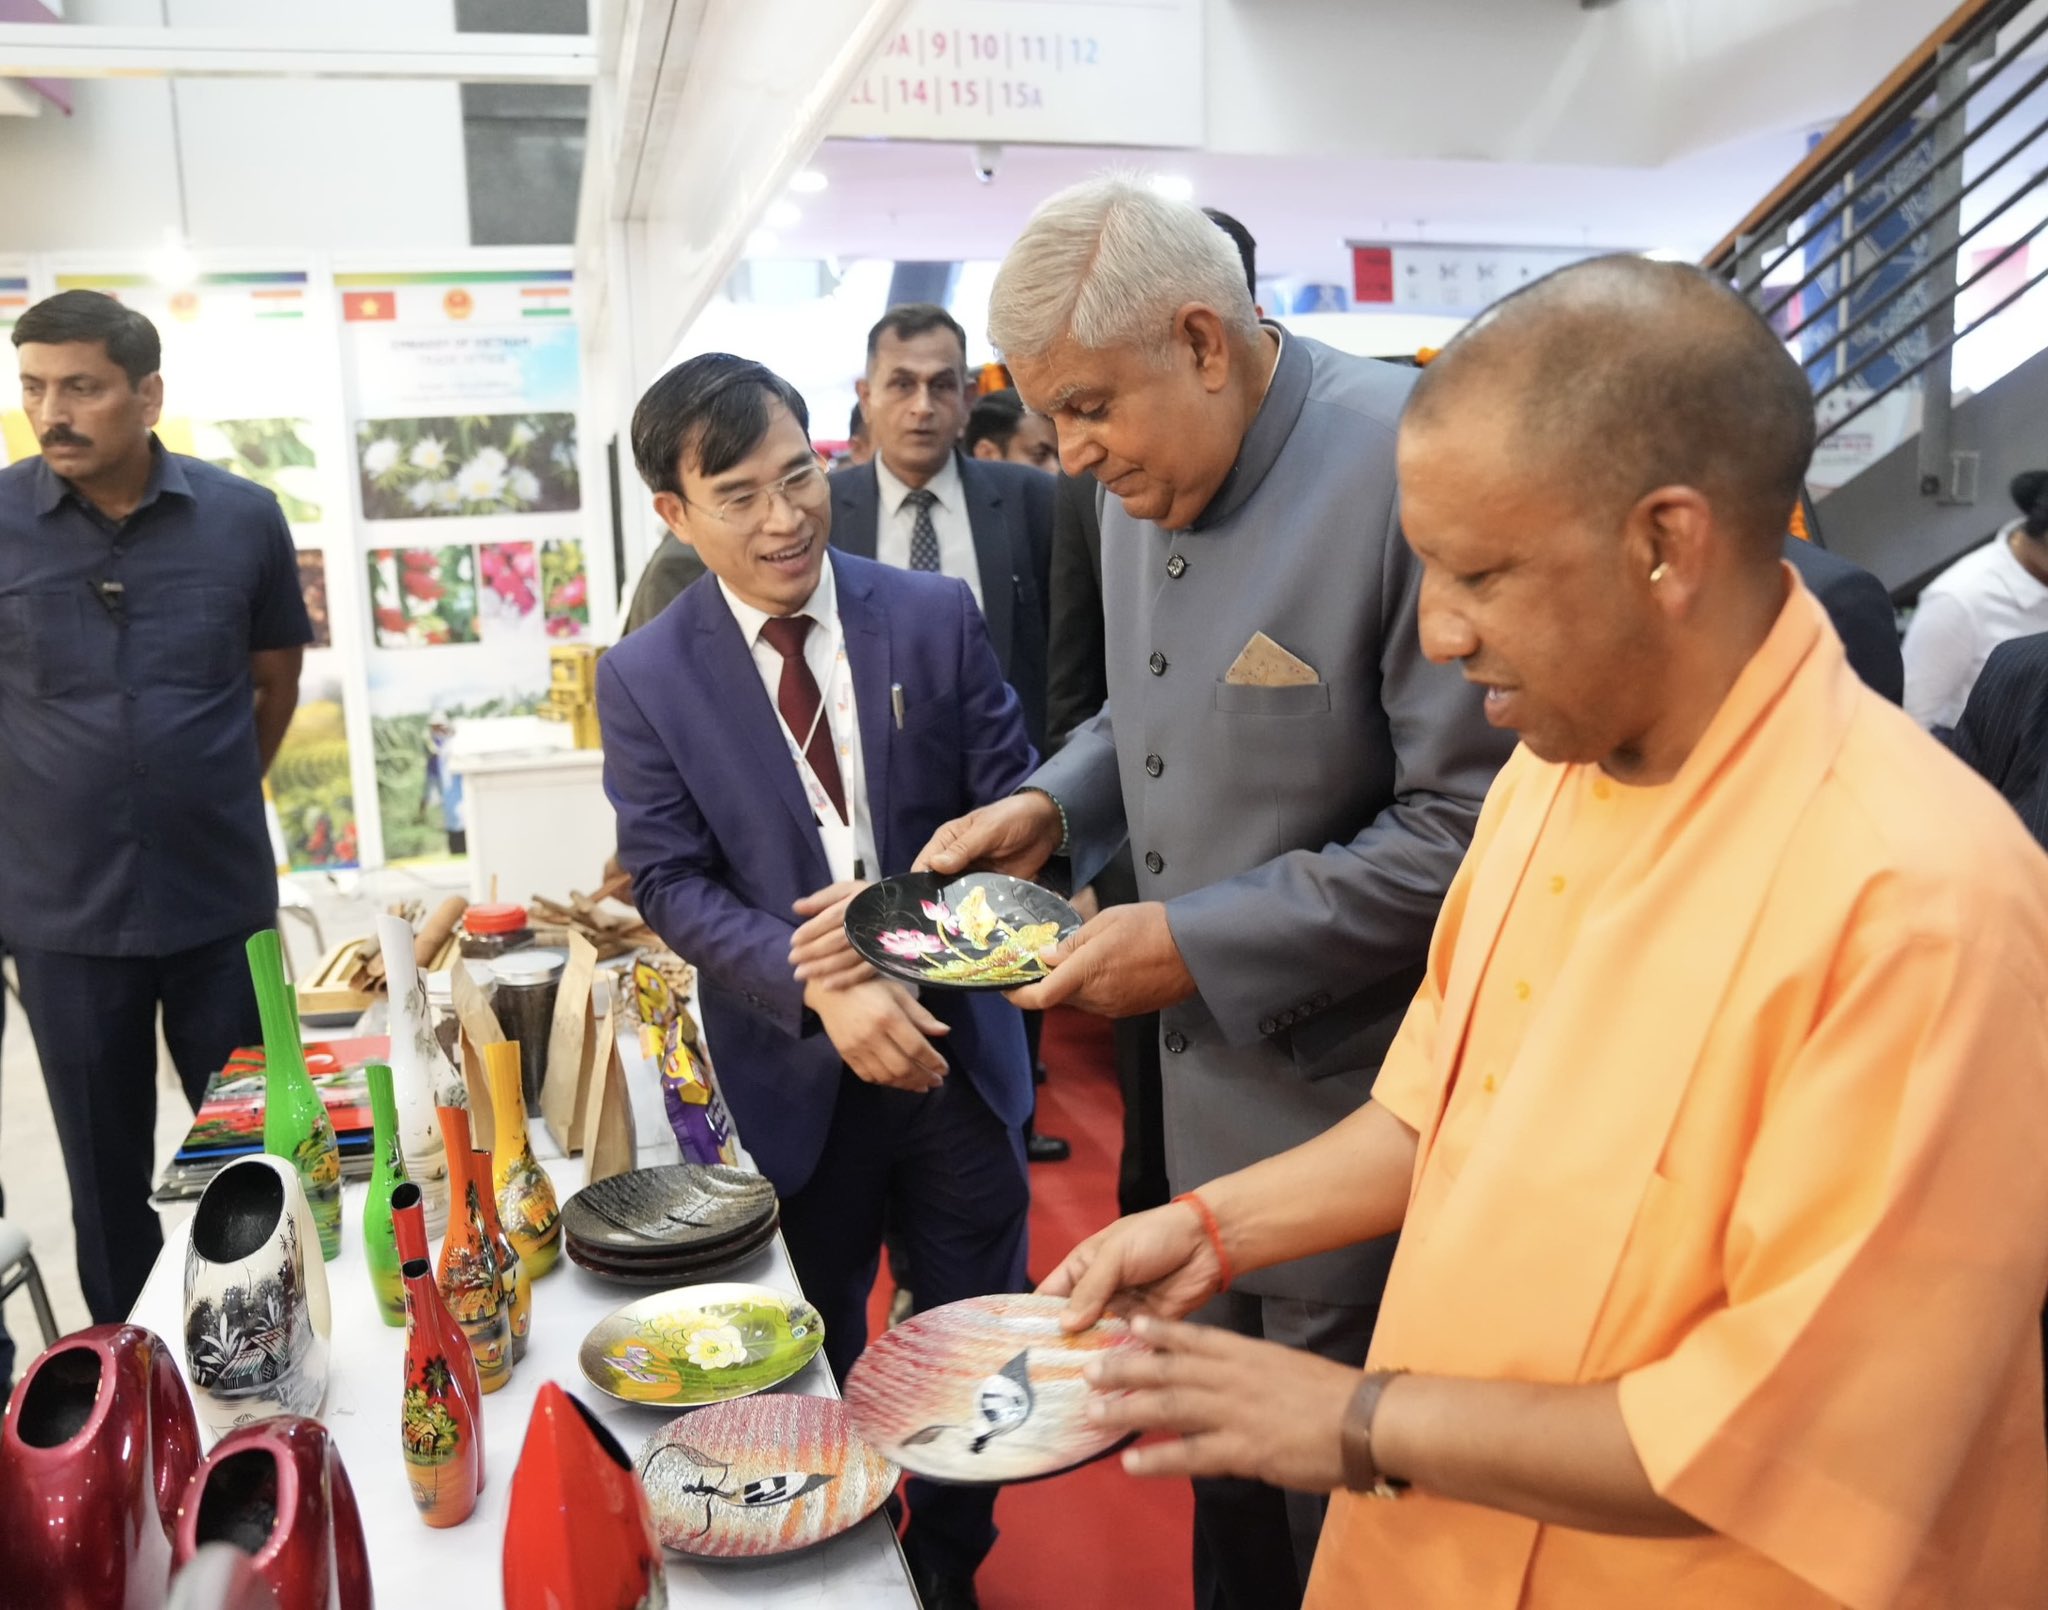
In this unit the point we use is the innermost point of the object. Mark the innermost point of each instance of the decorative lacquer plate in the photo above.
(701, 1344)
(980, 931)
(684, 1206)
(986, 1390)
(765, 1476)
(692, 1269)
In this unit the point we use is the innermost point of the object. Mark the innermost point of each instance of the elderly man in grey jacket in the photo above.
(1297, 782)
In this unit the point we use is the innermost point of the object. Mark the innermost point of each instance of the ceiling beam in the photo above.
(36, 50)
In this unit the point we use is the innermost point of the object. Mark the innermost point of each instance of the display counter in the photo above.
(412, 1563)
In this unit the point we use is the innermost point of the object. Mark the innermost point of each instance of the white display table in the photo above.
(412, 1563)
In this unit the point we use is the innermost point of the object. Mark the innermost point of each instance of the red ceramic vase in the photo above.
(472, 1284)
(409, 1219)
(100, 1442)
(580, 1535)
(278, 1492)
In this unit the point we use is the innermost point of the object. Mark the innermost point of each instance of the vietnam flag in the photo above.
(359, 306)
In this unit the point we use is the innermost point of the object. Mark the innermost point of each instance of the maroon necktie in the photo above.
(797, 697)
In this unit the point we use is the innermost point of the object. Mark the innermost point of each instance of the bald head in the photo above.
(1621, 375)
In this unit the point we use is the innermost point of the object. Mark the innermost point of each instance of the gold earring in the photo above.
(1657, 575)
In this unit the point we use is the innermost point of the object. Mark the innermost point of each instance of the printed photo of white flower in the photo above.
(415, 469)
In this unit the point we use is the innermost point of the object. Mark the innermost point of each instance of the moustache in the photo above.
(61, 437)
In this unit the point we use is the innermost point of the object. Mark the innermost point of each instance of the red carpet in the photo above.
(1095, 1537)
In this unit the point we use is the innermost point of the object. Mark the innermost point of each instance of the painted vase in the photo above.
(511, 1267)
(98, 1445)
(295, 1122)
(257, 1320)
(408, 1218)
(471, 1283)
(526, 1196)
(579, 1535)
(221, 1577)
(416, 1067)
(278, 1492)
(380, 1242)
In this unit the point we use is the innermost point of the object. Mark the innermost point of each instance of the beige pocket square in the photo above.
(1265, 664)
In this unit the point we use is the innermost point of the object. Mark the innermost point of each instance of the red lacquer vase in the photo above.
(472, 1284)
(440, 1428)
(518, 1285)
(278, 1492)
(100, 1441)
(580, 1535)
(221, 1577)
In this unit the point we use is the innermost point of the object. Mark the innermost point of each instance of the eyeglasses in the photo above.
(747, 512)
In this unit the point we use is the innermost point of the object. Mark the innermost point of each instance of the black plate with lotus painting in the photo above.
(979, 931)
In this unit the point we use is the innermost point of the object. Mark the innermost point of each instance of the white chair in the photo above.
(18, 1269)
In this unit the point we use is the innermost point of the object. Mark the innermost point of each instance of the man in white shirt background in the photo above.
(1989, 596)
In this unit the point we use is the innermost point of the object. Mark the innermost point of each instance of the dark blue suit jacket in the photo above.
(1009, 510)
(720, 840)
(1862, 612)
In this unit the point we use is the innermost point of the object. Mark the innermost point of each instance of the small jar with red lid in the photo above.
(493, 929)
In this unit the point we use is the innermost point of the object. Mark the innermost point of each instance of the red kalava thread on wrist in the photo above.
(1214, 1232)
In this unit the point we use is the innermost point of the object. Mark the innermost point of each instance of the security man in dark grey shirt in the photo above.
(151, 630)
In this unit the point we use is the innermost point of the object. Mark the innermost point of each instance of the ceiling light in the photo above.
(1173, 186)
(783, 215)
(1668, 254)
(763, 243)
(807, 181)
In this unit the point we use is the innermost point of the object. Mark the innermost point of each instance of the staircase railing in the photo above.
(1856, 256)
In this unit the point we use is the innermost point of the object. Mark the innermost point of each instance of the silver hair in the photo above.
(1107, 263)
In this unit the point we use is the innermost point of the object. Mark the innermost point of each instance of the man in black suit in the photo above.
(1861, 610)
(2003, 730)
(922, 504)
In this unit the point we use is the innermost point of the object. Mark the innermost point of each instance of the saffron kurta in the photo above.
(1735, 1091)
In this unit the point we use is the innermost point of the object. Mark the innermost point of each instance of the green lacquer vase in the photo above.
(295, 1122)
(380, 1240)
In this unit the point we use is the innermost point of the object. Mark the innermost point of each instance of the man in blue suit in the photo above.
(797, 722)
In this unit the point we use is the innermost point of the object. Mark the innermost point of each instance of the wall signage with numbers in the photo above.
(1053, 72)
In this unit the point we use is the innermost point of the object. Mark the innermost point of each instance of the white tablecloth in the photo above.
(413, 1563)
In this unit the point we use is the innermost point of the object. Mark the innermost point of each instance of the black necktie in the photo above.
(924, 536)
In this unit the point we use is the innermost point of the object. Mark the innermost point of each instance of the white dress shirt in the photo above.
(1985, 598)
(849, 846)
(949, 519)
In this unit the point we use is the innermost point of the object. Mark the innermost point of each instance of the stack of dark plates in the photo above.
(671, 1226)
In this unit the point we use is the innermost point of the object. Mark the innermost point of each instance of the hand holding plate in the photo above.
(1121, 963)
(1159, 1262)
(1242, 1407)
(1016, 836)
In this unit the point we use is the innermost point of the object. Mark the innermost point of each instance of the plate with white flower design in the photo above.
(979, 931)
(701, 1344)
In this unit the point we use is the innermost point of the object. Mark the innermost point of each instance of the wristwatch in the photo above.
(1361, 1470)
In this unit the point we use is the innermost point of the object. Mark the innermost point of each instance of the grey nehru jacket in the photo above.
(1301, 837)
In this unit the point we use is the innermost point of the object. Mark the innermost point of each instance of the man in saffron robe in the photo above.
(1713, 1133)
